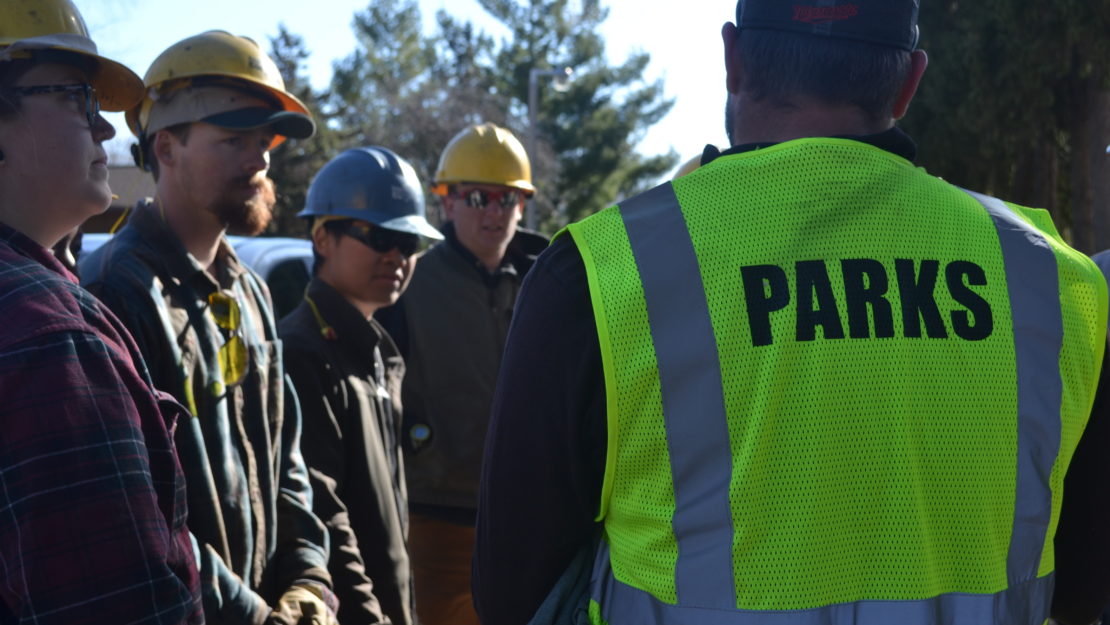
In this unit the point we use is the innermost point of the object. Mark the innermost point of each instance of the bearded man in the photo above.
(215, 106)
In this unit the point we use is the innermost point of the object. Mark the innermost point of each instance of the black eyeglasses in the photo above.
(92, 103)
(479, 199)
(381, 240)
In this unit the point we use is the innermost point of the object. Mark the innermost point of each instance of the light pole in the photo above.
(561, 77)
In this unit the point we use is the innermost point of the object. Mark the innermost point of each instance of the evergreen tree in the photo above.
(410, 93)
(413, 93)
(294, 163)
(587, 133)
(1016, 103)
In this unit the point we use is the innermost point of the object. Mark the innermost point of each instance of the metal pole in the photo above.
(532, 218)
(561, 76)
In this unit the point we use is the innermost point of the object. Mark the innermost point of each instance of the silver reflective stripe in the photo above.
(692, 394)
(1023, 604)
(1033, 281)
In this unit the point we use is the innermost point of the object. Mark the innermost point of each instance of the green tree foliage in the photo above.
(294, 163)
(412, 93)
(587, 134)
(1011, 103)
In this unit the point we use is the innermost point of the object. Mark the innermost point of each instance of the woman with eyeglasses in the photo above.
(91, 493)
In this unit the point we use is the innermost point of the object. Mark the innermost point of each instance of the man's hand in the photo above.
(305, 603)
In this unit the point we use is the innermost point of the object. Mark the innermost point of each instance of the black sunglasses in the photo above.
(92, 102)
(381, 240)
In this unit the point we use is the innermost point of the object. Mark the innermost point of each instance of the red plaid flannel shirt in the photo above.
(92, 498)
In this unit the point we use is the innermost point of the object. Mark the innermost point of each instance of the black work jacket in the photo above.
(451, 326)
(348, 379)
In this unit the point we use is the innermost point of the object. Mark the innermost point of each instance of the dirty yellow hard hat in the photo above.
(485, 154)
(196, 79)
(30, 26)
(688, 166)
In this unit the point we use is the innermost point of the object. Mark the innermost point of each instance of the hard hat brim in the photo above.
(441, 185)
(117, 87)
(413, 224)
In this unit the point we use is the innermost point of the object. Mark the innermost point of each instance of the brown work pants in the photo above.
(440, 553)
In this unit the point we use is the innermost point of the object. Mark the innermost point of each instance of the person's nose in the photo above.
(102, 130)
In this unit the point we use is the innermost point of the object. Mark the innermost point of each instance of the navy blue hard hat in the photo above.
(371, 184)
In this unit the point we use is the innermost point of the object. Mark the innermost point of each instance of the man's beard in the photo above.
(252, 216)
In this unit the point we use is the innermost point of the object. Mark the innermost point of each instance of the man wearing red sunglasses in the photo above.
(450, 326)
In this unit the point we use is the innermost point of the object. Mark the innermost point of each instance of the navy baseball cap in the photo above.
(228, 107)
(890, 23)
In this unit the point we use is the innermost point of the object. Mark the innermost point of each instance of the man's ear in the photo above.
(323, 242)
(448, 208)
(731, 37)
(164, 148)
(918, 62)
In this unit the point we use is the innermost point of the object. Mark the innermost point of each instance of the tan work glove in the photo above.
(305, 603)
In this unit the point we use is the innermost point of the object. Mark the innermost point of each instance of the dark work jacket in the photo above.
(250, 504)
(451, 325)
(349, 384)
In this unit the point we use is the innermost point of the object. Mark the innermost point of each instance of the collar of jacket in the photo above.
(24, 245)
(893, 140)
(522, 251)
(163, 246)
(355, 333)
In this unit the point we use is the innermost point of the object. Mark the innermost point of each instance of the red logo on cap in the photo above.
(824, 15)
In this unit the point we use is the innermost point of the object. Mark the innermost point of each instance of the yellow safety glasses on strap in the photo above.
(232, 354)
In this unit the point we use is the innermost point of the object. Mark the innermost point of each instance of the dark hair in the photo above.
(9, 73)
(780, 67)
(335, 228)
(180, 131)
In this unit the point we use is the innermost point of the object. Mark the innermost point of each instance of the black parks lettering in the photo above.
(876, 302)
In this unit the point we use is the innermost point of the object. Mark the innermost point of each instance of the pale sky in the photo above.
(682, 38)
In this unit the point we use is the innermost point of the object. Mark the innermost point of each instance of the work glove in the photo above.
(306, 602)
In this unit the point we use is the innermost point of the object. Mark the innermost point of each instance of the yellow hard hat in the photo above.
(688, 166)
(486, 154)
(27, 26)
(212, 56)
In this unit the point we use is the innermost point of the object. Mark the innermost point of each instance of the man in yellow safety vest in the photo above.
(806, 383)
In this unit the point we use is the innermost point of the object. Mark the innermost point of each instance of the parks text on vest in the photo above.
(866, 295)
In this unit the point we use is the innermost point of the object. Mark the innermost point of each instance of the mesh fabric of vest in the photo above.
(873, 454)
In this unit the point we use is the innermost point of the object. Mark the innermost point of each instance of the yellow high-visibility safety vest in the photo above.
(840, 390)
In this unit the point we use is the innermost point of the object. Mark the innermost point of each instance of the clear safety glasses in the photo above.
(232, 354)
(84, 95)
